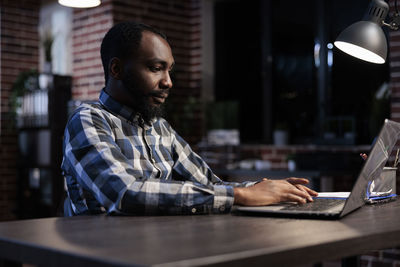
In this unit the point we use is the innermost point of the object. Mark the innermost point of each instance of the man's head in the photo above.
(137, 60)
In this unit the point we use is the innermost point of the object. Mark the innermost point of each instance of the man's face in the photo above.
(147, 75)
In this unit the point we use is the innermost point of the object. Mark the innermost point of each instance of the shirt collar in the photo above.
(117, 108)
(120, 109)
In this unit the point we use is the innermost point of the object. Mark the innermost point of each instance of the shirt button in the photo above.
(194, 210)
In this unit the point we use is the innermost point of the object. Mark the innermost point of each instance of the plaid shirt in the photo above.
(115, 163)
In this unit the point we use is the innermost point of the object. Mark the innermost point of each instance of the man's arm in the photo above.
(266, 192)
(118, 183)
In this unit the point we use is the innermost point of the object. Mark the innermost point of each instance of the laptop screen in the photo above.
(374, 164)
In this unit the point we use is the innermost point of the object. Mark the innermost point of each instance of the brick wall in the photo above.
(179, 20)
(394, 57)
(19, 52)
(89, 27)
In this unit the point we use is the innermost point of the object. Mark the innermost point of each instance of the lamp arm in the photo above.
(391, 25)
(394, 24)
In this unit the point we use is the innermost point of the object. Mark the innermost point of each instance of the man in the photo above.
(121, 157)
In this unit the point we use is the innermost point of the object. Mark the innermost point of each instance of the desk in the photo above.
(223, 240)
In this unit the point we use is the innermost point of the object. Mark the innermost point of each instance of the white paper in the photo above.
(333, 194)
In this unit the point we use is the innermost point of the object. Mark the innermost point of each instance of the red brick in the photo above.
(395, 70)
(19, 50)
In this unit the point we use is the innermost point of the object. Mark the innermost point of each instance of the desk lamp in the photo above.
(365, 39)
(79, 3)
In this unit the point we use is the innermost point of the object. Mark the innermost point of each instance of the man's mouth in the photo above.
(159, 98)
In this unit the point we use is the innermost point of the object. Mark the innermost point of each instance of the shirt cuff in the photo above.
(248, 184)
(223, 198)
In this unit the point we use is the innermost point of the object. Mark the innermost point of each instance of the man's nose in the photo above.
(166, 82)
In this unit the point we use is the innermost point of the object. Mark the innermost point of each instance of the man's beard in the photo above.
(141, 103)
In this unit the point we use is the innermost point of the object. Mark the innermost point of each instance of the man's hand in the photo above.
(274, 191)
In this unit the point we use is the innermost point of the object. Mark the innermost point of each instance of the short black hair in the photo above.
(123, 38)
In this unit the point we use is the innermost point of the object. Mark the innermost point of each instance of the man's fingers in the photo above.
(299, 184)
(294, 180)
(303, 192)
(296, 198)
(308, 190)
(300, 187)
(311, 192)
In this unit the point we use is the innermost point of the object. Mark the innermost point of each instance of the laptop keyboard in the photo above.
(319, 204)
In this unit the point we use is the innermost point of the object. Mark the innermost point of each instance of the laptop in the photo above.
(337, 206)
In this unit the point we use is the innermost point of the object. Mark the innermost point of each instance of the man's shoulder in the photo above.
(90, 105)
(87, 109)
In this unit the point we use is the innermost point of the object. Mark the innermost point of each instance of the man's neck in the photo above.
(115, 89)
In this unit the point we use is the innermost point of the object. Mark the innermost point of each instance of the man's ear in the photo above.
(116, 68)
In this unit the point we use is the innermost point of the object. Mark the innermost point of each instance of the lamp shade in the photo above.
(79, 3)
(364, 40)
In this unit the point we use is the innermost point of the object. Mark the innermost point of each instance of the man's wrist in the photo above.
(238, 195)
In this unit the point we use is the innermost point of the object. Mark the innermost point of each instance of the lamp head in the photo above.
(365, 39)
(79, 3)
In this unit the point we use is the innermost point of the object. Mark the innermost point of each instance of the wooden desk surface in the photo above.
(229, 239)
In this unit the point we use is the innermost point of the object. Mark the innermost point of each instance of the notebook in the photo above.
(338, 206)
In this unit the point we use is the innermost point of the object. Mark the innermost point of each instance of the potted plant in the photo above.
(25, 81)
(47, 45)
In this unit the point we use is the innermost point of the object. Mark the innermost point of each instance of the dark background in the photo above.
(291, 83)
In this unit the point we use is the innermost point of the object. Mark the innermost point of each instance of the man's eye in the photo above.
(155, 69)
